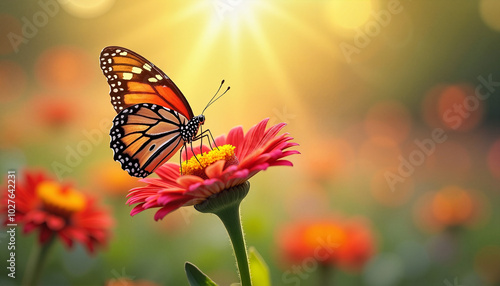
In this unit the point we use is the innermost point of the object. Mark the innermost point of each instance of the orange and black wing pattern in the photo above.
(133, 80)
(144, 136)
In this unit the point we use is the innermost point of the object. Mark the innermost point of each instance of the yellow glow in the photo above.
(87, 8)
(489, 11)
(232, 10)
(349, 14)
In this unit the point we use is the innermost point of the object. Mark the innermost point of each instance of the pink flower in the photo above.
(238, 158)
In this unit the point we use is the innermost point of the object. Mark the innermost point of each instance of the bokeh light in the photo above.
(54, 110)
(87, 8)
(489, 10)
(448, 208)
(331, 241)
(65, 68)
(453, 107)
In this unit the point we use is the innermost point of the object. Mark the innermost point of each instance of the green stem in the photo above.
(230, 217)
(226, 205)
(325, 274)
(36, 262)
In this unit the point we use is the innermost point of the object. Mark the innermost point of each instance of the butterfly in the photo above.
(154, 118)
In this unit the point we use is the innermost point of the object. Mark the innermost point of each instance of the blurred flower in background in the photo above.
(58, 210)
(449, 208)
(337, 242)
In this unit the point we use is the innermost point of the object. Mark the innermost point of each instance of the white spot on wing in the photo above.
(147, 67)
(159, 77)
(152, 79)
(127, 76)
(136, 70)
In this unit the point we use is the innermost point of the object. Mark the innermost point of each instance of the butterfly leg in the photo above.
(201, 140)
(180, 156)
(192, 150)
(211, 136)
(208, 134)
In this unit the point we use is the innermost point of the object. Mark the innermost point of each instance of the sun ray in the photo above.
(320, 40)
(188, 13)
(200, 51)
(270, 58)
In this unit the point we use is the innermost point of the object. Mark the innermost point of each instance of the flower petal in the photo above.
(55, 223)
(168, 172)
(168, 208)
(215, 170)
(188, 180)
(252, 139)
(235, 138)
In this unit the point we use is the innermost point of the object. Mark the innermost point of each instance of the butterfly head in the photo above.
(200, 119)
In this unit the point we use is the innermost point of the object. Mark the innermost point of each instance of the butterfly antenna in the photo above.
(228, 88)
(214, 98)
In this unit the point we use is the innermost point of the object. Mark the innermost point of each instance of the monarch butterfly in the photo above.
(154, 118)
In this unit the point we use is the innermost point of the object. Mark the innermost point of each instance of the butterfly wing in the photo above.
(144, 136)
(133, 80)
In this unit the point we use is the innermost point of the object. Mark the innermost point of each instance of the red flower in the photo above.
(238, 158)
(54, 209)
(347, 244)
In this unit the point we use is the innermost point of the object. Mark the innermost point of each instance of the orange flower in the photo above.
(448, 208)
(347, 244)
(53, 209)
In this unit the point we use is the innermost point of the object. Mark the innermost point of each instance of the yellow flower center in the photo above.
(196, 165)
(60, 200)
